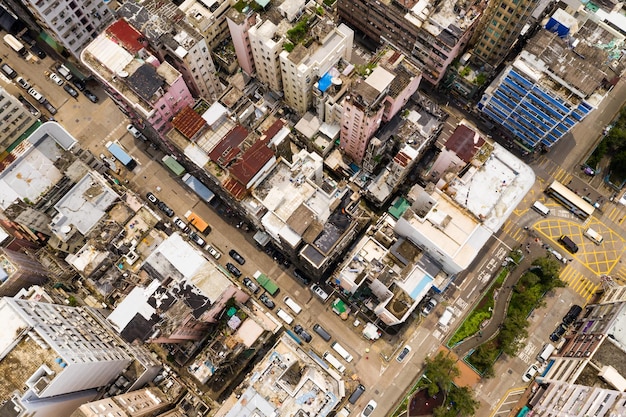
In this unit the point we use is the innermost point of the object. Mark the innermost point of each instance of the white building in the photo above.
(267, 43)
(209, 18)
(15, 119)
(53, 358)
(72, 23)
(303, 66)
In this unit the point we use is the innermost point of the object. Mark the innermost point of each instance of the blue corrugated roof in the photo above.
(324, 82)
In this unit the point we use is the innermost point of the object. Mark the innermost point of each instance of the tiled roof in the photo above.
(235, 188)
(273, 129)
(464, 142)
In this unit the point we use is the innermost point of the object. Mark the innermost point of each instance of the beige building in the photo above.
(141, 403)
(209, 18)
(303, 66)
(267, 44)
(15, 119)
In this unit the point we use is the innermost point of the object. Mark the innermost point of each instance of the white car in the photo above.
(369, 409)
(58, 80)
(530, 373)
(319, 291)
(133, 131)
(430, 305)
(23, 83)
(36, 95)
(181, 224)
(214, 253)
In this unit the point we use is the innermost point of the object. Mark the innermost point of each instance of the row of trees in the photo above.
(527, 295)
(613, 146)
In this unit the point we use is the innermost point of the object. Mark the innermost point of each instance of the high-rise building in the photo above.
(499, 29)
(54, 358)
(304, 65)
(174, 40)
(209, 18)
(375, 100)
(15, 119)
(19, 270)
(431, 33)
(141, 403)
(72, 23)
(556, 81)
(267, 43)
(239, 23)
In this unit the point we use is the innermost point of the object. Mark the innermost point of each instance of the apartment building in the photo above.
(172, 39)
(141, 403)
(54, 358)
(72, 23)
(209, 18)
(148, 90)
(431, 33)
(239, 24)
(561, 76)
(374, 101)
(15, 119)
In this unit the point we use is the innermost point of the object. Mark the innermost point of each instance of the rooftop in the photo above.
(188, 122)
(289, 382)
(251, 161)
(228, 148)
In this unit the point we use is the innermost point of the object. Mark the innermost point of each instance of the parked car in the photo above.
(50, 107)
(133, 130)
(91, 96)
(64, 72)
(251, 285)
(558, 332)
(369, 409)
(8, 71)
(165, 209)
(70, 90)
(319, 291)
(237, 257)
(299, 330)
(36, 95)
(80, 86)
(301, 276)
(214, 253)
(404, 353)
(22, 83)
(38, 51)
(572, 314)
(233, 269)
(152, 198)
(55, 78)
(181, 224)
(530, 373)
(430, 305)
(267, 301)
(197, 239)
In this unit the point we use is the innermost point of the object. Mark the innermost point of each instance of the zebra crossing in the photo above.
(579, 283)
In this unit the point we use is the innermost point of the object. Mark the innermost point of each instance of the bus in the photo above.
(173, 165)
(16, 45)
(570, 200)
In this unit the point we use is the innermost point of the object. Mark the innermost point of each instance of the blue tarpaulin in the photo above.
(324, 82)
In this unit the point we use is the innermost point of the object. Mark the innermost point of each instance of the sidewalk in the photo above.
(502, 300)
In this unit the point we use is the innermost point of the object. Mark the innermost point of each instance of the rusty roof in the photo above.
(188, 122)
(464, 142)
(228, 149)
(251, 162)
(122, 33)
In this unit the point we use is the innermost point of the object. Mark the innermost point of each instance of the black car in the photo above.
(237, 257)
(70, 90)
(572, 314)
(301, 277)
(80, 85)
(38, 51)
(91, 96)
(165, 209)
(233, 269)
(558, 332)
(152, 198)
(197, 239)
(267, 302)
(299, 330)
(251, 285)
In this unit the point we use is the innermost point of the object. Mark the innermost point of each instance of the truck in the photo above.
(200, 189)
(121, 155)
(197, 221)
(173, 165)
(265, 282)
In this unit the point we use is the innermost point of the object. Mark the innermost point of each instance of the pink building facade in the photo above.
(239, 24)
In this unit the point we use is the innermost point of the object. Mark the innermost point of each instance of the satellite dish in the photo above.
(336, 81)
(122, 74)
(66, 229)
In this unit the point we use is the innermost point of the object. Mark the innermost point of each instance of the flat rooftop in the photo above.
(289, 382)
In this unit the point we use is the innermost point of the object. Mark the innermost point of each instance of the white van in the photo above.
(540, 208)
(292, 305)
(446, 317)
(284, 316)
(341, 351)
(545, 353)
(334, 362)
(594, 236)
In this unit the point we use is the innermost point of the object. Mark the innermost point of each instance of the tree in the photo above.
(550, 269)
(442, 370)
(461, 400)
